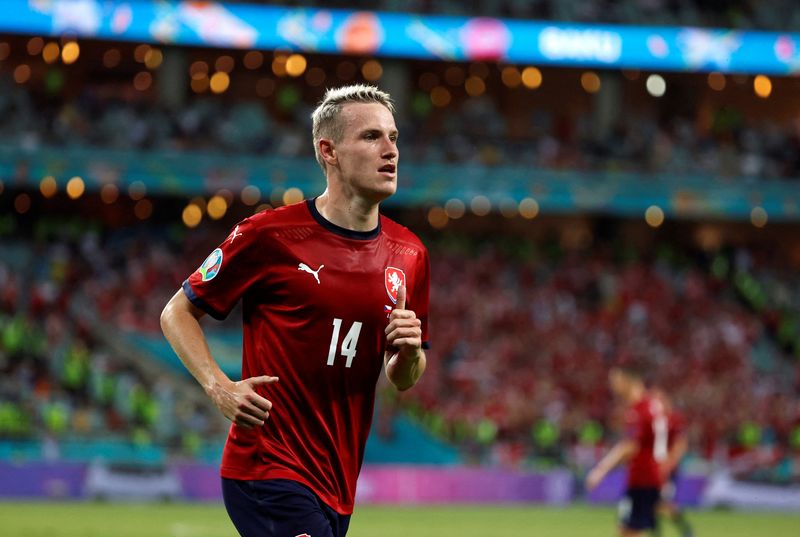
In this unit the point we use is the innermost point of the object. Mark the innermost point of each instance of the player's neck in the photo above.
(637, 393)
(348, 212)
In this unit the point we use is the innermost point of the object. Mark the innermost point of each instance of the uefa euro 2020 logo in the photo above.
(211, 265)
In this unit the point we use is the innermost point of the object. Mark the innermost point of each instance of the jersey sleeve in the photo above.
(420, 294)
(228, 271)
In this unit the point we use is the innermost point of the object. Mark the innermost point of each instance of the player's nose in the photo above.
(389, 149)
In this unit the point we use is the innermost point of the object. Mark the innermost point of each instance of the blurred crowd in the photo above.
(59, 300)
(722, 142)
(524, 337)
(523, 334)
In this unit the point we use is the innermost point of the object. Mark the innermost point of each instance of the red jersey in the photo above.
(315, 300)
(646, 424)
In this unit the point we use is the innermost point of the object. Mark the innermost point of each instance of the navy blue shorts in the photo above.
(637, 509)
(280, 508)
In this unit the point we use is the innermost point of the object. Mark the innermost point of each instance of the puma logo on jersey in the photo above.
(306, 268)
(235, 233)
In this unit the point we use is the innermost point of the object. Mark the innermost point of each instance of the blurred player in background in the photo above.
(677, 446)
(332, 291)
(644, 445)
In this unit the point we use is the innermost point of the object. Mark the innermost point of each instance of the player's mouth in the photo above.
(388, 169)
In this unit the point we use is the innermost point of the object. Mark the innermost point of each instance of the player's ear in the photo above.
(328, 151)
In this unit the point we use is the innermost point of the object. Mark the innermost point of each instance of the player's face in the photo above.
(367, 152)
(618, 382)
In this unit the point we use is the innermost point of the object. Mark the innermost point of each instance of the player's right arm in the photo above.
(238, 401)
(621, 452)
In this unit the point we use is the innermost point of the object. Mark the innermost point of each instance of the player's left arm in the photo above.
(676, 453)
(404, 360)
(621, 452)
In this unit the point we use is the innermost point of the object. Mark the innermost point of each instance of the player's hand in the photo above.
(664, 471)
(594, 478)
(240, 403)
(404, 331)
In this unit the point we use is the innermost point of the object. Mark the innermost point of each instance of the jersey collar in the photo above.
(339, 230)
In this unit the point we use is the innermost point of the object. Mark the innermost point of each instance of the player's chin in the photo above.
(384, 190)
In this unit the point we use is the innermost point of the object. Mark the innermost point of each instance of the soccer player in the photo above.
(644, 445)
(332, 292)
(677, 446)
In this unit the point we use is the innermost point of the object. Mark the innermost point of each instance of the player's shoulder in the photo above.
(285, 216)
(292, 222)
(401, 238)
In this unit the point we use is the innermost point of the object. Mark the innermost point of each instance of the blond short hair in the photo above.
(325, 121)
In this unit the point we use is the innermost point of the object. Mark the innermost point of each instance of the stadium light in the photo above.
(109, 193)
(225, 64)
(198, 69)
(153, 59)
(35, 46)
(758, 217)
(253, 60)
(143, 209)
(22, 73)
(219, 83)
(140, 52)
(75, 187)
(111, 58)
(475, 86)
(48, 186)
(296, 65)
(455, 208)
(656, 85)
(192, 215)
(292, 195)
(372, 70)
(437, 217)
(716, 81)
(142, 81)
(590, 82)
(279, 64)
(250, 195)
(762, 86)
(199, 85)
(531, 77)
(51, 52)
(440, 96)
(511, 77)
(480, 205)
(22, 203)
(654, 216)
(70, 53)
(528, 208)
(137, 190)
(217, 207)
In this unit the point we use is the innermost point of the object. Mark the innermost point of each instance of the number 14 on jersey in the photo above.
(349, 343)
